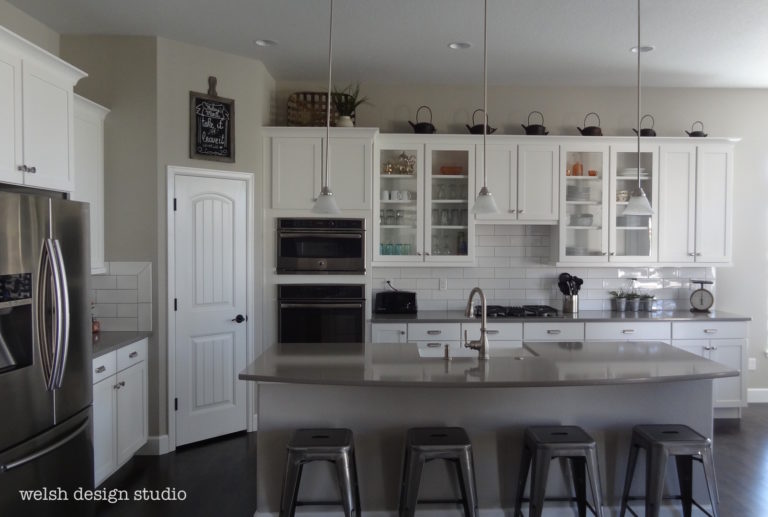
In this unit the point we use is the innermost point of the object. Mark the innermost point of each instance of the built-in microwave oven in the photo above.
(312, 246)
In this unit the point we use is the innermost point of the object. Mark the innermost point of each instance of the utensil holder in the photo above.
(571, 304)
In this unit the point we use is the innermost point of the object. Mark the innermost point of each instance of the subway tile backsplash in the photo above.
(512, 269)
(121, 299)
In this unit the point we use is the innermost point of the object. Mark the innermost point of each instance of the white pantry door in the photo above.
(211, 299)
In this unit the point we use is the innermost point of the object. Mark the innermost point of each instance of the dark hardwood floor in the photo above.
(219, 476)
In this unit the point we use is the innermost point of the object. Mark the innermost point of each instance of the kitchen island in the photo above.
(380, 390)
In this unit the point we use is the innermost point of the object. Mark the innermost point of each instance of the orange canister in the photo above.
(578, 169)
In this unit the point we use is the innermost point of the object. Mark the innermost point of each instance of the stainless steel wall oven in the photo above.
(321, 313)
(321, 246)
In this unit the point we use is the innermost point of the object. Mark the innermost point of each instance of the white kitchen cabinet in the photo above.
(89, 164)
(523, 180)
(696, 203)
(295, 159)
(724, 342)
(389, 332)
(36, 116)
(120, 417)
(500, 335)
(422, 193)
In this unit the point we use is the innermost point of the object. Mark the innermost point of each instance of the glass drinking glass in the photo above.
(391, 217)
(445, 217)
(399, 217)
(435, 216)
(442, 192)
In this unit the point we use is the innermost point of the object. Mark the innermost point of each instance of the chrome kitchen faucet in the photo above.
(481, 345)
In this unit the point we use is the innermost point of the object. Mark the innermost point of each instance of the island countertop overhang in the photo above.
(538, 364)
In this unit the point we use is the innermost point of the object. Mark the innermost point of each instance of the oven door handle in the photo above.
(357, 236)
(321, 305)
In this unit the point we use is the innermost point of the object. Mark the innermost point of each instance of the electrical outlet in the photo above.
(752, 364)
(443, 284)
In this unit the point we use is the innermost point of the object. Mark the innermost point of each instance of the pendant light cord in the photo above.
(324, 185)
(638, 95)
(485, 86)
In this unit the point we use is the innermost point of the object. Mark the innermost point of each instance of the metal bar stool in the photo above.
(424, 444)
(544, 443)
(660, 442)
(333, 445)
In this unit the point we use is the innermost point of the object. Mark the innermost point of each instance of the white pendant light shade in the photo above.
(638, 204)
(485, 204)
(326, 203)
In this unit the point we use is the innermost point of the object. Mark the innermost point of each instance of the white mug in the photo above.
(399, 194)
(385, 195)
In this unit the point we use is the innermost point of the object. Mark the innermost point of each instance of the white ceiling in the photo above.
(700, 43)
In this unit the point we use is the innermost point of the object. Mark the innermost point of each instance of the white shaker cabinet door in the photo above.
(537, 183)
(131, 411)
(47, 102)
(677, 203)
(104, 454)
(351, 172)
(501, 173)
(296, 166)
(10, 119)
(389, 332)
(714, 201)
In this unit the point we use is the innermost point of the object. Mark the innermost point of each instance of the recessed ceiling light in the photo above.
(459, 45)
(643, 48)
(265, 43)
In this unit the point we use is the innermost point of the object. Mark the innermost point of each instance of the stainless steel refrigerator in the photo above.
(45, 354)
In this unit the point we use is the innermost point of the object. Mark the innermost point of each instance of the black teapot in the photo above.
(697, 134)
(535, 129)
(646, 131)
(425, 128)
(591, 130)
(477, 129)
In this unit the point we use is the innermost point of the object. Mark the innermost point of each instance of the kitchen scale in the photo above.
(701, 299)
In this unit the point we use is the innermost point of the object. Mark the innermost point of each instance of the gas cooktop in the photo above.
(522, 311)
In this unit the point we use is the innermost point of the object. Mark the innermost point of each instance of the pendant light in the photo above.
(638, 202)
(325, 202)
(485, 204)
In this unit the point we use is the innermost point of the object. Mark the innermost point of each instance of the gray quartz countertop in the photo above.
(537, 365)
(106, 341)
(604, 316)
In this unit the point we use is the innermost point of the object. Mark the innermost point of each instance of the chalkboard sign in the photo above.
(211, 125)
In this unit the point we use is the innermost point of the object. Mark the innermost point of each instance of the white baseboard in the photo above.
(156, 446)
(757, 395)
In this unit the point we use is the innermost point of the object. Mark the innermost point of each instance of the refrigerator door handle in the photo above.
(62, 315)
(44, 273)
(42, 452)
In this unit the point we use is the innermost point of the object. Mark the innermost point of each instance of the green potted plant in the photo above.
(619, 300)
(633, 301)
(346, 102)
(646, 302)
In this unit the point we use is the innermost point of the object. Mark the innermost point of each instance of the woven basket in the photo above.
(309, 109)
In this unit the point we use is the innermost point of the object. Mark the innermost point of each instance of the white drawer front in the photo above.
(496, 331)
(628, 331)
(104, 366)
(434, 331)
(553, 331)
(131, 354)
(709, 329)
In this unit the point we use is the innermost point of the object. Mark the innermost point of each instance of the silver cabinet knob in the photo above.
(22, 168)
(553, 331)
(32, 169)
(101, 369)
(691, 254)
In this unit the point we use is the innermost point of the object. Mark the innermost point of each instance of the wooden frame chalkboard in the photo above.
(211, 126)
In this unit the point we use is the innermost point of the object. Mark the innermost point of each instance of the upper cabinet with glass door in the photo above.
(421, 199)
(584, 207)
(633, 238)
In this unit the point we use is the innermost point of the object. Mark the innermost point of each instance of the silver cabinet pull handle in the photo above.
(101, 369)
(132, 355)
(707, 348)
(605, 253)
(521, 211)
(427, 253)
(116, 387)
(418, 253)
(402, 332)
(713, 348)
(628, 331)
(434, 332)
(612, 253)
(553, 331)
(691, 254)
(22, 168)
(710, 331)
(698, 254)
(491, 332)
(433, 345)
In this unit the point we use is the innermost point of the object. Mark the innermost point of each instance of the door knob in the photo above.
(239, 318)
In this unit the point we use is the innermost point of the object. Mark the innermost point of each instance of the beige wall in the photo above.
(146, 82)
(725, 112)
(29, 28)
(122, 76)
(182, 68)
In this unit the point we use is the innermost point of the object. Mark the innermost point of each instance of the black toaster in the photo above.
(395, 302)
